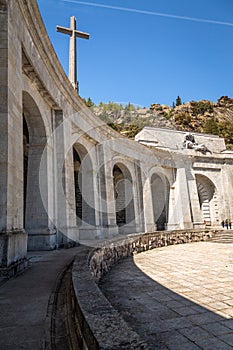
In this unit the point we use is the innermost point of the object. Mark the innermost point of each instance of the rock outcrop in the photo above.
(203, 116)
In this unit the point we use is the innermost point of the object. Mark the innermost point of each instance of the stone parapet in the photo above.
(103, 258)
(99, 325)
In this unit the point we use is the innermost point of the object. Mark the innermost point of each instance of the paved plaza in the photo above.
(177, 297)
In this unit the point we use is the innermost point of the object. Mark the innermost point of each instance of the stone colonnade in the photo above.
(65, 176)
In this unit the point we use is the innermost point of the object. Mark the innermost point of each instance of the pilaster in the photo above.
(179, 203)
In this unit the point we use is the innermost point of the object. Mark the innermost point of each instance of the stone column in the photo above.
(101, 191)
(38, 211)
(107, 195)
(138, 197)
(225, 192)
(179, 203)
(13, 239)
(197, 216)
(65, 209)
(110, 202)
(150, 225)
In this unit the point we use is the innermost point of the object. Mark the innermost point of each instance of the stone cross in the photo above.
(73, 33)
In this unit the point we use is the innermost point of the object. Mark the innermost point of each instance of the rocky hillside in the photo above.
(202, 116)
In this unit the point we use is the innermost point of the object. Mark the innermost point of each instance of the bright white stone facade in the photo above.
(66, 176)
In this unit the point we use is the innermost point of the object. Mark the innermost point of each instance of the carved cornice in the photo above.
(31, 73)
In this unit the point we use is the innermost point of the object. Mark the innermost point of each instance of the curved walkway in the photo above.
(177, 297)
(24, 300)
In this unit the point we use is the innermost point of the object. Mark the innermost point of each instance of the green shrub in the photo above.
(201, 107)
(183, 119)
(211, 127)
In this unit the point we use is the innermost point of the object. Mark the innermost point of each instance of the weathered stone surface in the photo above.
(176, 297)
(99, 323)
(13, 247)
(161, 187)
(103, 258)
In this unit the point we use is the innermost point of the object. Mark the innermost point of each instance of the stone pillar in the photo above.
(101, 187)
(197, 216)
(150, 225)
(173, 222)
(13, 239)
(110, 200)
(39, 204)
(224, 192)
(64, 193)
(179, 203)
(138, 198)
(107, 195)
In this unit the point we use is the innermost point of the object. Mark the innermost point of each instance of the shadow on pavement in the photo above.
(163, 318)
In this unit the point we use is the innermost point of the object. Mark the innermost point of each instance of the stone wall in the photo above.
(98, 324)
(103, 258)
(174, 139)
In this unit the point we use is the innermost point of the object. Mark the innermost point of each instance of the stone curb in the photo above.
(99, 325)
(103, 258)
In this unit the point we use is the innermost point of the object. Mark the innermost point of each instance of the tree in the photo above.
(178, 101)
(89, 102)
(202, 107)
(211, 127)
(129, 107)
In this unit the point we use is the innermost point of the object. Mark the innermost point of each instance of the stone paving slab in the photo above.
(177, 297)
(24, 300)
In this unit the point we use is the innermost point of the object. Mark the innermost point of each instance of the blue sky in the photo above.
(138, 53)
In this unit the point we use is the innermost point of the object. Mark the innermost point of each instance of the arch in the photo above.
(34, 141)
(207, 198)
(160, 190)
(34, 120)
(124, 201)
(84, 186)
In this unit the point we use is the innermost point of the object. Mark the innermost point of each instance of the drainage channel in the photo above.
(60, 330)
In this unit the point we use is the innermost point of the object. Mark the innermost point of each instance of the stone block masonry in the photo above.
(103, 258)
(98, 323)
(37, 166)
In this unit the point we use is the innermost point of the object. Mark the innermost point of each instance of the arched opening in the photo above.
(36, 221)
(160, 197)
(124, 203)
(207, 196)
(84, 188)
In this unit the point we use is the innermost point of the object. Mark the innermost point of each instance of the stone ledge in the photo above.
(98, 324)
(103, 258)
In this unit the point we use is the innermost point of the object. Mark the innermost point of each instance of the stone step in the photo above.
(223, 237)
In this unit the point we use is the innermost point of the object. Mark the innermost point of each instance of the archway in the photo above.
(206, 194)
(124, 202)
(36, 220)
(160, 197)
(84, 188)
